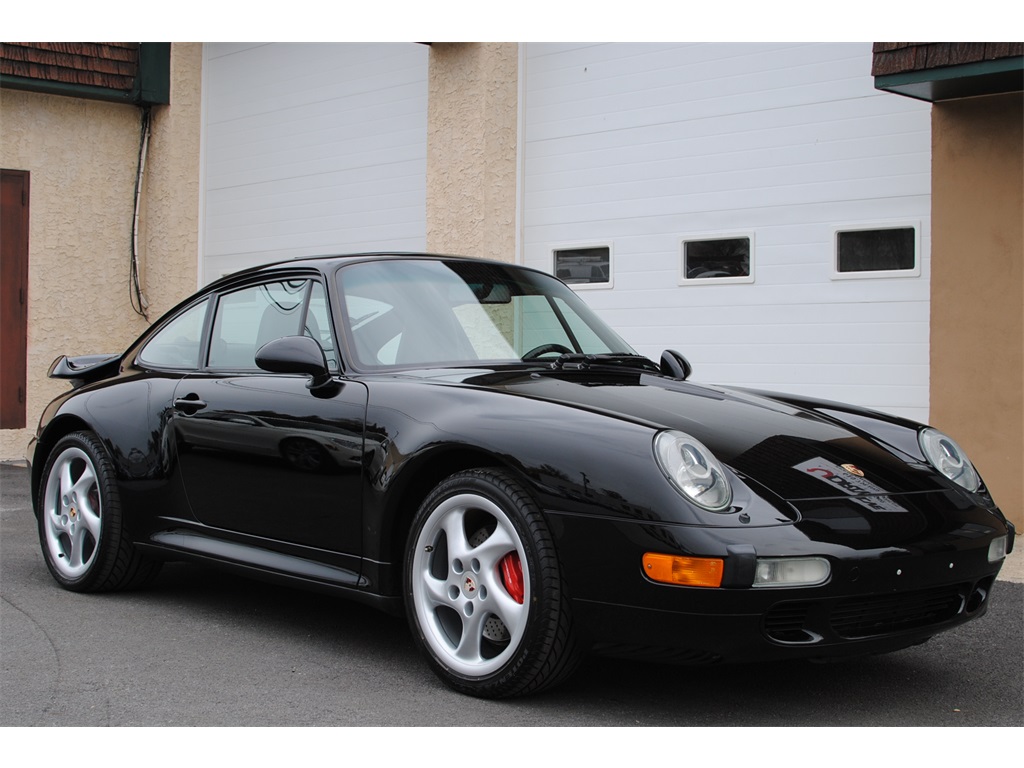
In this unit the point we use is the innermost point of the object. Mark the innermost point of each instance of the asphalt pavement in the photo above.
(201, 648)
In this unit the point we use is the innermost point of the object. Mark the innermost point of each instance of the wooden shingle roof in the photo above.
(895, 58)
(101, 65)
(944, 71)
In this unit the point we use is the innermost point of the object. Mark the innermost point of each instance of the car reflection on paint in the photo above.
(308, 450)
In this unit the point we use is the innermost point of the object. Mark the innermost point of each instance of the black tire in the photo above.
(80, 521)
(485, 630)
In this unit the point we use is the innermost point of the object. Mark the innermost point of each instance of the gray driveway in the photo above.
(204, 648)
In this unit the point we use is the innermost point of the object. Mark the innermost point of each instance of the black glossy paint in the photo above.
(316, 485)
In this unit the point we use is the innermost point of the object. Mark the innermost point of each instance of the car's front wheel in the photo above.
(484, 592)
(80, 524)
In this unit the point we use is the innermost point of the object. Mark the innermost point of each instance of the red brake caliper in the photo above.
(512, 576)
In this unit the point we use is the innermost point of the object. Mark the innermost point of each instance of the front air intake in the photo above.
(888, 614)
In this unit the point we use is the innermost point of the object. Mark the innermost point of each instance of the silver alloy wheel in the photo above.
(73, 513)
(470, 621)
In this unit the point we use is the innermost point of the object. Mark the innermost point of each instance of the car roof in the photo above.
(325, 262)
(319, 261)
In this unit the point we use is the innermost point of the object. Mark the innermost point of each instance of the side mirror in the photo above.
(675, 365)
(295, 354)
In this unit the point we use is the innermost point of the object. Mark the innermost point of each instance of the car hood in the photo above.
(798, 449)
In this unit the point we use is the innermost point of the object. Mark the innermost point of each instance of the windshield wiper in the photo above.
(575, 361)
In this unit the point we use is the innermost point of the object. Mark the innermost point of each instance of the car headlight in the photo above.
(949, 459)
(693, 469)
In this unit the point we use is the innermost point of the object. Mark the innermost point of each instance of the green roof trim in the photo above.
(982, 78)
(153, 85)
(64, 89)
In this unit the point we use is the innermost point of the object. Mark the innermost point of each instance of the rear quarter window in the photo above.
(178, 343)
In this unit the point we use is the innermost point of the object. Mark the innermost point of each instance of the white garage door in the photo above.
(635, 152)
(312, 149)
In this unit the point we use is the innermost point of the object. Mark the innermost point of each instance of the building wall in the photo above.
(471, 156)
(82, 156)
(170, 209)
(977, 308)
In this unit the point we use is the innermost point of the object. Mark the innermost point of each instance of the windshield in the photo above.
(418, 312)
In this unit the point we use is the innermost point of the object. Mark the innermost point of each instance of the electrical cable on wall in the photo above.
(139, 302)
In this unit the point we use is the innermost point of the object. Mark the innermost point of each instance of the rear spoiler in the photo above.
(84, 369)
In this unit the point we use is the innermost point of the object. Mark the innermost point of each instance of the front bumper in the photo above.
(877, 599)
(788, 630)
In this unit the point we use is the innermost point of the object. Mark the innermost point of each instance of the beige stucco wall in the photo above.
(471, 149)
(977, 307)
(82, 156)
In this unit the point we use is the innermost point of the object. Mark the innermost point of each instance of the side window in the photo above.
(177, 344)
(249, 318)
(318, 325)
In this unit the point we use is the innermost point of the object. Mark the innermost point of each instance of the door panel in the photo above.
(262, 455)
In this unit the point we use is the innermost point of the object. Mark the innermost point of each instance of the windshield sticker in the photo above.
(852, 483)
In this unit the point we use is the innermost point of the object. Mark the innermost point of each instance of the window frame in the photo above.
(712, 236)
(878, 274)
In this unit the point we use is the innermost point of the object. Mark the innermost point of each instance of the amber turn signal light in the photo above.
(684, 571)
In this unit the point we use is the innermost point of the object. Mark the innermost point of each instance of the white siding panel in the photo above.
(640, 145)
(312, 148)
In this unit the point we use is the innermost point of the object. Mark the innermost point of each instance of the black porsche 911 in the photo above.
(465, 442)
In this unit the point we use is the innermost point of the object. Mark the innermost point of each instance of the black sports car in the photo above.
(466, 442)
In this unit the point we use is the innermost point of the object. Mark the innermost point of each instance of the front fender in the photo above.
(575, 461)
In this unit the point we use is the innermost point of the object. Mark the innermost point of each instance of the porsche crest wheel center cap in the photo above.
(469, 586)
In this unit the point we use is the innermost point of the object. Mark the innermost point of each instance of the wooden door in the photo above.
(13, 297)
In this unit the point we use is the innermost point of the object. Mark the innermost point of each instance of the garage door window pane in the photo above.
(876, 250)
(717, 258)
(584, 266)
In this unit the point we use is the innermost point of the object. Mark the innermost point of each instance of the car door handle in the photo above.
(189, 404)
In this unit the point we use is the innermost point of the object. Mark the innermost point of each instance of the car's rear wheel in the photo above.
(484, 593)
(80, 523)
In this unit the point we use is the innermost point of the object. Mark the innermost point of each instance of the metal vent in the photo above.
(787, 622)
(888, 614)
